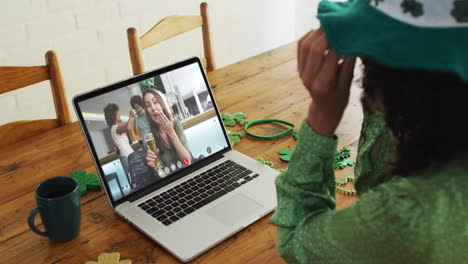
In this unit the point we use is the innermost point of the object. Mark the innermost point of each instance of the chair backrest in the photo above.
(167, 28)
(12, 78)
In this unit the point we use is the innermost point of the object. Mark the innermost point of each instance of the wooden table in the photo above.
(266, 86)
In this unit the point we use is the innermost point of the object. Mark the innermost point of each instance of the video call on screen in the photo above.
(148, 130)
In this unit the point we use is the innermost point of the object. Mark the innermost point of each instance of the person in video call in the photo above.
(119, 131)
(168, 133)
(412, 162)
(143, 127)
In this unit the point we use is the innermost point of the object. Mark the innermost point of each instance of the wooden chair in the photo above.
(167, 28)
(12, 78)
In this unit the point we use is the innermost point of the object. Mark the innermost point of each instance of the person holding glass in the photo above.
(168, 134)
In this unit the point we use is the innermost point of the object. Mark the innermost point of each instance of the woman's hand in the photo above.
(168, 126)
(151, 158)
(327, 81)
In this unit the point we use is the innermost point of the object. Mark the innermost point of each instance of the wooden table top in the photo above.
(265, 86)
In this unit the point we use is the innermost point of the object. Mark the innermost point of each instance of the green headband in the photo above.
(268, 121)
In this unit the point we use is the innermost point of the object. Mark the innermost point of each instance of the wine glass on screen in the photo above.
(151, 145)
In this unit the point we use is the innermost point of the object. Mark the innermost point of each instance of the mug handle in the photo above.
(31, 216)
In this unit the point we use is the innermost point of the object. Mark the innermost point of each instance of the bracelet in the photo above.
(268, 121)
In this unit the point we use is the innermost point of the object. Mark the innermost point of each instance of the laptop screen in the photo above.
(148, 130)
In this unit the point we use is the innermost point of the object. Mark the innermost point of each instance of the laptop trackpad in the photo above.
(235, 209)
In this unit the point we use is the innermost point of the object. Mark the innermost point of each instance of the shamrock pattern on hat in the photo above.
(414, 7)
(376, 2)
(460, 10)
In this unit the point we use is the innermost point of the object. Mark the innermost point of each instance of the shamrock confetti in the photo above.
(283, 170)
(86, 181)
(286, 154)
(109, 258)
(266, 162)
(234, 137)
(341, 158)
(231, 119)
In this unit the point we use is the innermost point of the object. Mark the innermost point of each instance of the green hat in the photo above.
(409, 34)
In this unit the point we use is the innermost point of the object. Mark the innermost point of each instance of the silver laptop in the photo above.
(198, 191)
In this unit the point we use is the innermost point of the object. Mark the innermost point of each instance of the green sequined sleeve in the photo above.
(309, 229)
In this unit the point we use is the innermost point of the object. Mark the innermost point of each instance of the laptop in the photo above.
(198, 191)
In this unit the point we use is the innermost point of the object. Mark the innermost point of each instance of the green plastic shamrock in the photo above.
(266, 162)
(86, 181)
(234, 137)
(286, 154)
(341, 158)
(231, 119)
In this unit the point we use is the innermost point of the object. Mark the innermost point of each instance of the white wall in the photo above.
(90, 39)
(305, 19)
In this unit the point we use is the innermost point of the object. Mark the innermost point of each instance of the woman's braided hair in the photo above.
(110, 114)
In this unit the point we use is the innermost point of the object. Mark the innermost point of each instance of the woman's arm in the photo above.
(128, 126)
(176, 135)
(310, 230)
(180, 143)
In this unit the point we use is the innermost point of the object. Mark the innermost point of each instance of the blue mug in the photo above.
(58, 203)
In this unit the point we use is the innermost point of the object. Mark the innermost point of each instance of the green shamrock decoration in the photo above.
(412, 6)
(296, 135)
(231, 119)
(266, 162)
(234, 137)
(283, 170)
(148, 83)
(286, 154)
(86, 181)
(341, 158)
(460, 10)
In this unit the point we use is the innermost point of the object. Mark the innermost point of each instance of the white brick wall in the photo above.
(90, 39)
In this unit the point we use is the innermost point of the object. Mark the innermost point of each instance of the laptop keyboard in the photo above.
(191, 195)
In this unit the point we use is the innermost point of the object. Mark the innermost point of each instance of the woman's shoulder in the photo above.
(113, 128)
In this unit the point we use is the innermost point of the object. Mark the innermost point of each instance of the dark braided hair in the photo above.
(427, 112)
(110, 113)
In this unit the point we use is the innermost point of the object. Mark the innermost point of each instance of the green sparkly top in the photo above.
(418, 219)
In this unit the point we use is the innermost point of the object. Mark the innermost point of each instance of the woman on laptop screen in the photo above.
(172, 150)
(119, 131)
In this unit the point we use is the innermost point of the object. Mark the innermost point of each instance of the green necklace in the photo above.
(338, 185)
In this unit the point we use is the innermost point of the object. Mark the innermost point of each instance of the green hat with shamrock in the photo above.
(408, 34)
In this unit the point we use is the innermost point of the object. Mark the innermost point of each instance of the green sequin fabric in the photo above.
(418, 219)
